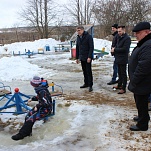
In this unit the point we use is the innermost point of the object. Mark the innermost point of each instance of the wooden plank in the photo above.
(55, 93)
(4, 92)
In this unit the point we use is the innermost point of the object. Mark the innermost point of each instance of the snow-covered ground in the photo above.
(21, 47)
(96, 121)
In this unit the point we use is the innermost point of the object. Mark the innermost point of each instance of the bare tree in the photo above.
(138, 10)
(46, 18)
(39, 14)
(16, 31)
(108, 13)
(81, 11)
(128, 12)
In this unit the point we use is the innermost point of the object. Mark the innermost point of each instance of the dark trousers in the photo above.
(87, 72)
(32, 115)
(142, 107)
(115, 71)
(30, 119)
(122, 75)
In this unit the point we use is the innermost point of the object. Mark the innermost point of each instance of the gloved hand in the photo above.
(29, 101)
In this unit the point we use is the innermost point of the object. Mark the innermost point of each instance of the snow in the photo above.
(100, 43)
(80, 126)
(21, 69)
(32, 46)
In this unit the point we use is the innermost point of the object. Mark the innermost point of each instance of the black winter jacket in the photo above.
(115, 37)
(140, 67)
(84, 47)
(121, 50)
(43, 97)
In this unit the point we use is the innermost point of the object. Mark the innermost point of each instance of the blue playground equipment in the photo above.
(29, 53)
(19, 100)
(99, 53)
(47, 47)
(16, 100)
(52, 113)
(53, 92)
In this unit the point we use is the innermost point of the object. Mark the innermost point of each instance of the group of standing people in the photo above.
(120, 50)
(139, 66)
(139, 70)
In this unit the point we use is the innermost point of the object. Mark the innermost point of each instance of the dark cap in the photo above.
(121, 26)
(141, 26)
(115, 26)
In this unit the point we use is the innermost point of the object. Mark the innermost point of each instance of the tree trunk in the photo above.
(46, 18)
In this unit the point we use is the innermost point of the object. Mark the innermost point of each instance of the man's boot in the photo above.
(26, 130)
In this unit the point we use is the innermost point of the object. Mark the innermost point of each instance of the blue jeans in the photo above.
(115, 71)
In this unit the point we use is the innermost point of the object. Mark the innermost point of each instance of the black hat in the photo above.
(141, 26)
(115, 26)
(121, 26)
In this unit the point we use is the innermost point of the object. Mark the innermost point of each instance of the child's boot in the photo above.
(26, 130)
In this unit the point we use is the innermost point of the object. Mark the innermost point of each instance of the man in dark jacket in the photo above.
(115, 67)
(42, 109)
(84, 53)
(140, 75)
(121, 52)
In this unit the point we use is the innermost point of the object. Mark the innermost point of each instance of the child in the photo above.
(43, 108)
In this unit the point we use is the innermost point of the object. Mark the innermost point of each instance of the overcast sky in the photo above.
(8, 12)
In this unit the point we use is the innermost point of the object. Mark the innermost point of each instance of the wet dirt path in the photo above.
(86, 121)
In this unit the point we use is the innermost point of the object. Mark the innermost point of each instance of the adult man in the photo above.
(121, 52)
(115, 67)
(140, 74)
(84, 53)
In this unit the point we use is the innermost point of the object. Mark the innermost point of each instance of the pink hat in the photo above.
(36, 81)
